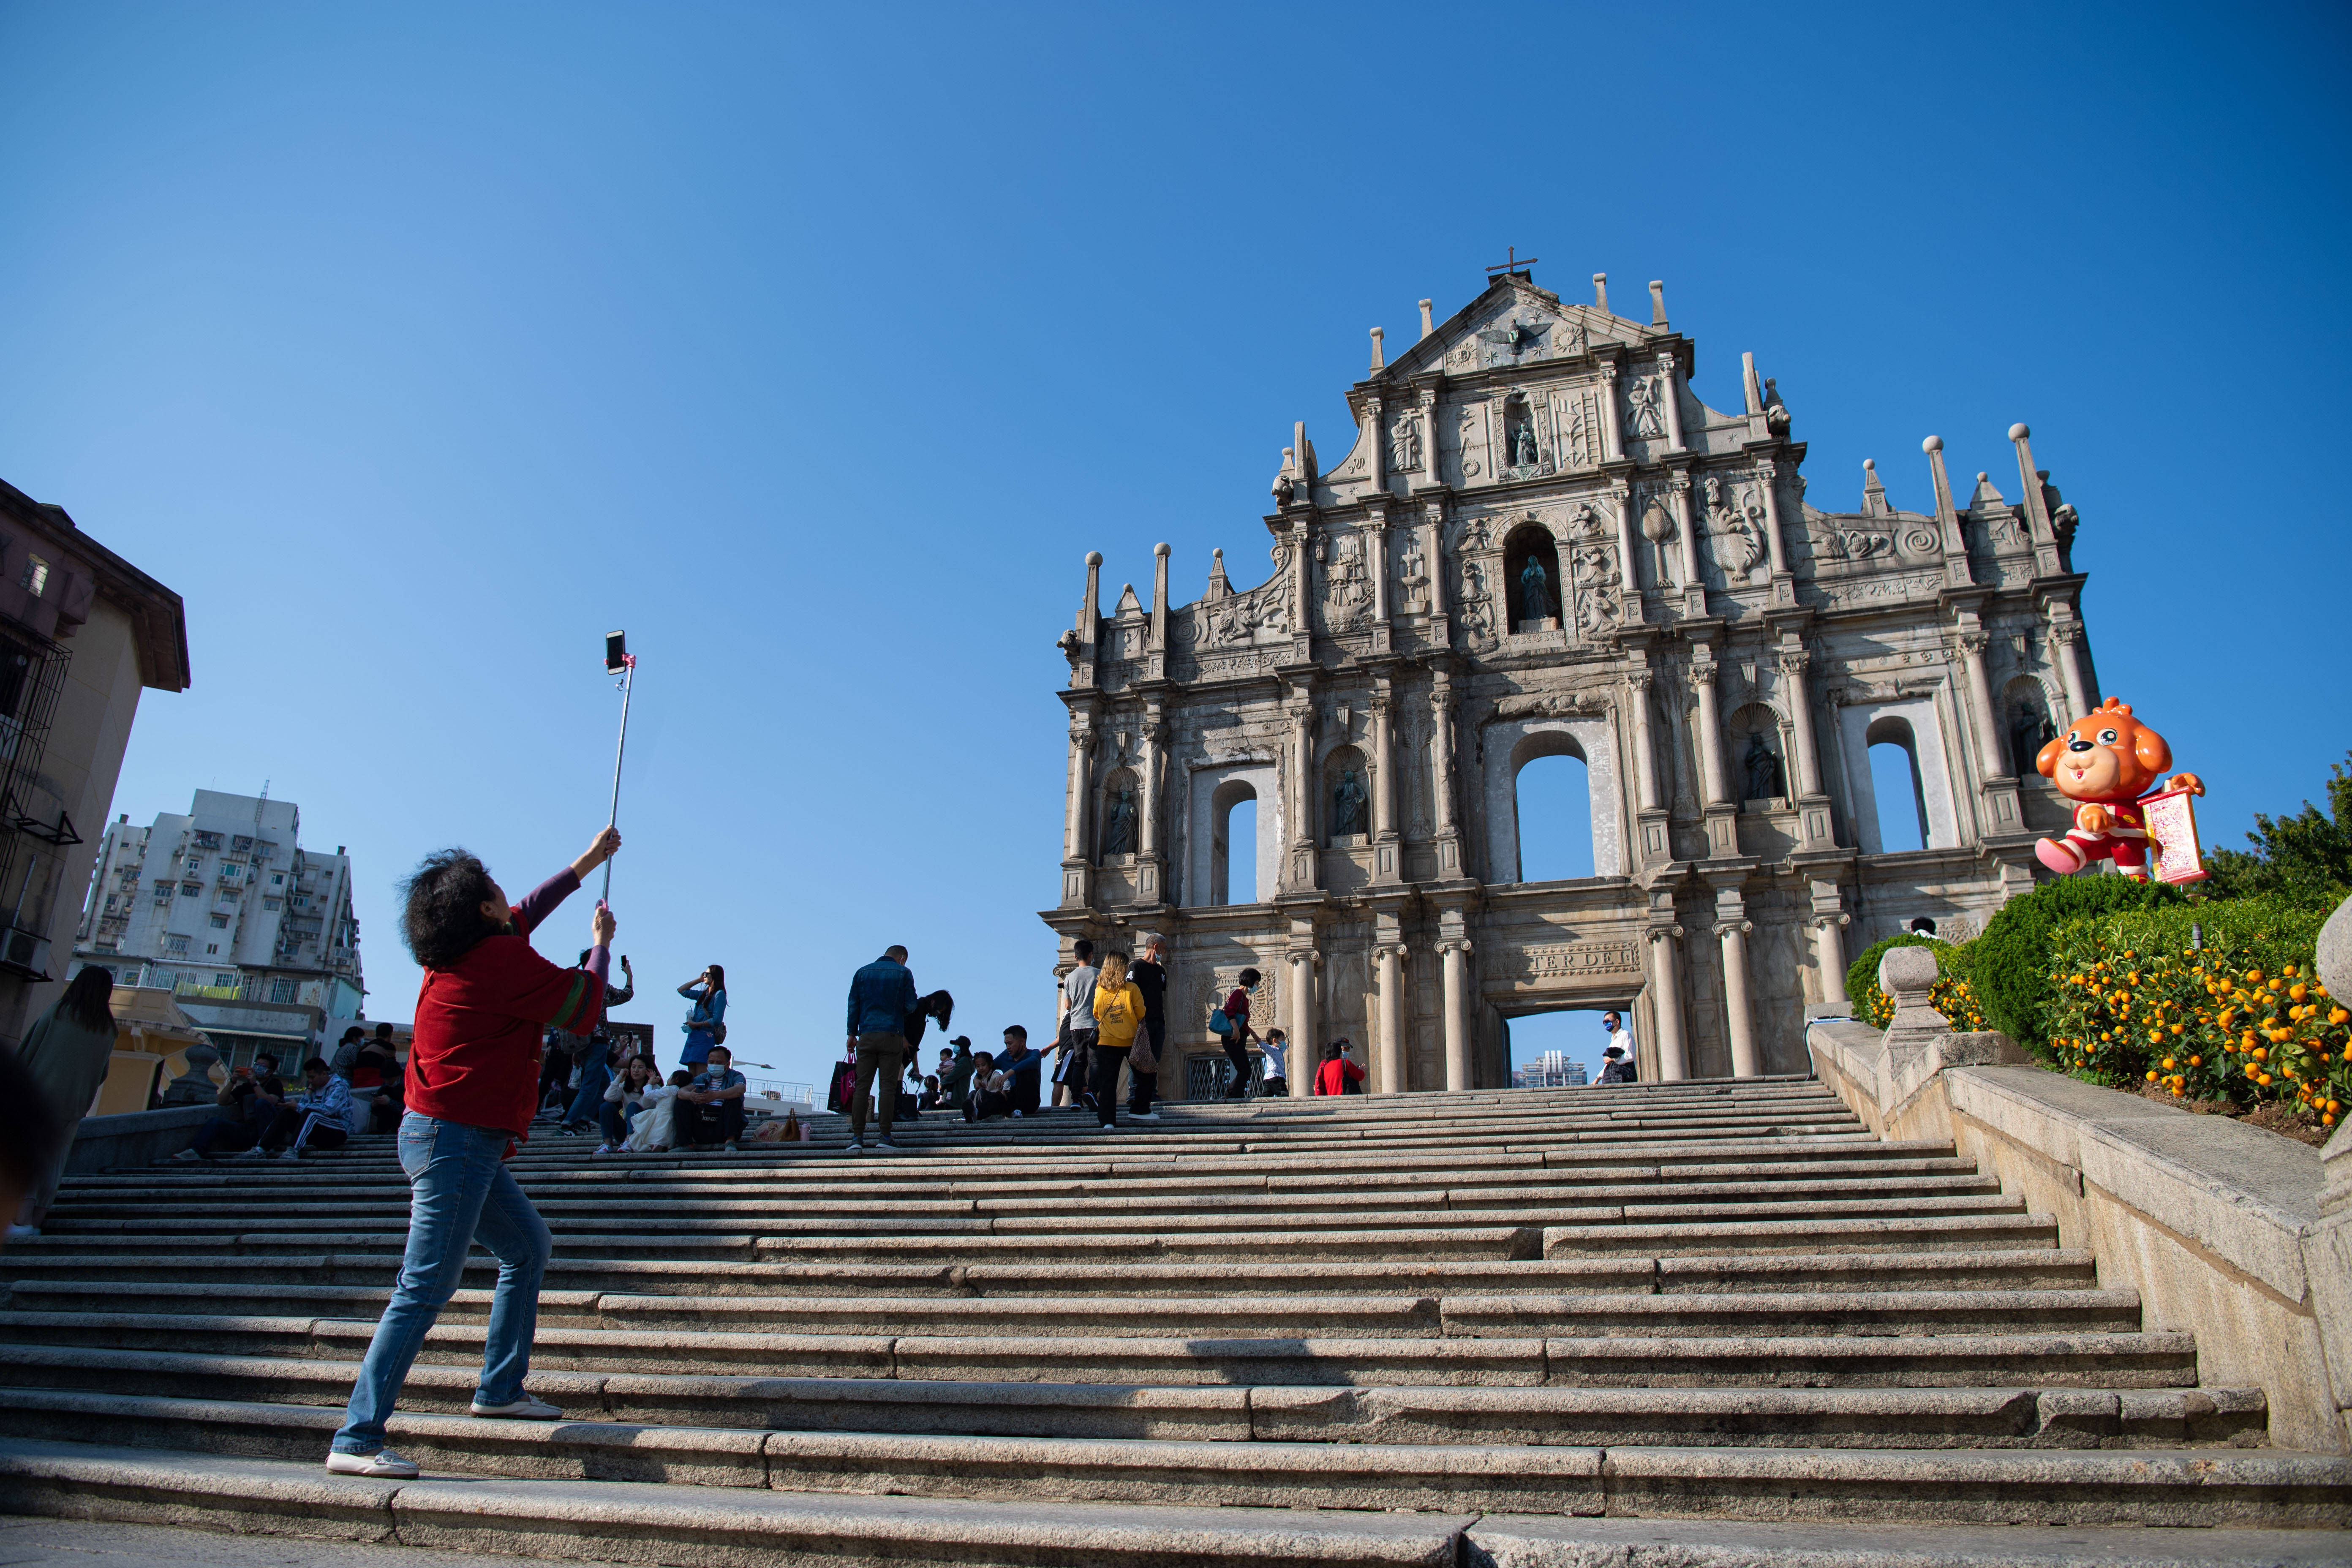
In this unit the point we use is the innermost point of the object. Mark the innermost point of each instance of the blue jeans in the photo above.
(460, 1192)
(595, 1072)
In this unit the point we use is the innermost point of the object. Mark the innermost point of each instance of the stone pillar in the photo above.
(1795, 667)
(1710, 724)
(1990, 763)
(1686, 530)
(1441, 769)
(1090, 608)
(1432, 539)
(1149, 889)
(1376, 563)
(1392, 1044)
(1383, 783)
(1159, 601)
(2042, 527)
(1303, 836)
(1667, 371)
(1766, 474)
(1375, 437)
(1456, 955)
(1737, 1004)
(1828, 952)
(1073, 812)
(1431, 477)
(2068, 637)
(1666, 1001)
(1645, 751)
(1610, 431)
(1636, 608)
(1956, 572)
(1302, 1011)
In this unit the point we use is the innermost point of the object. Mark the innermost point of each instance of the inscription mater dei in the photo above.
(1569, 959)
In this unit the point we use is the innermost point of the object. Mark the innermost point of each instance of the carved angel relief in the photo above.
(1346, 586)
(1738, 539)
(1404, 445)
(1596, 576)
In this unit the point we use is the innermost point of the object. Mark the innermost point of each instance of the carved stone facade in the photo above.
(1541, 542)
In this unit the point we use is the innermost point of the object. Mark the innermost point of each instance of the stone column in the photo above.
(1989, 761)
(1376, 562)
(1392, 1044)
(1766, 474)
(1302, 1010)
(1154, 723)
(1302, 788)
(1434, 537)
(1666, 389)
(1081, 786)
(2068, 637)
(1796, 665)
(1377, 457)
(1159, 597)
(1457, 1021)
(1665, 977)
(1622, 494)
(1735, 998)
(1957, 571)
(1384, 783)
(1645, 751)
(1828, 952)
(1431, 475)
(1610, 428)
(1687, 532)
(1440, 770)
(1710, 725)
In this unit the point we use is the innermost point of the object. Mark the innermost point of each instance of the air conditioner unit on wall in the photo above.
(25, 952)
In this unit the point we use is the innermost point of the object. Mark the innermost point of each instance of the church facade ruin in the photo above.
(1542, 543)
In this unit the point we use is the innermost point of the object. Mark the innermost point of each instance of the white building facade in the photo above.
(223, 906)
(1541, 543)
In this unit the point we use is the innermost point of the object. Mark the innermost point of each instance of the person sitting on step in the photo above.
(1338, 1075)
(987, 1096)
(624, 1101)
(249, 1102)
(324, 1116)
(1023, 1071)
(710, 1107)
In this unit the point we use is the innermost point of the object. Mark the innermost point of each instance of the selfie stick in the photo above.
(618, 658)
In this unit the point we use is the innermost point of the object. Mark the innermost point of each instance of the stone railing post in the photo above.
(2327, 1248)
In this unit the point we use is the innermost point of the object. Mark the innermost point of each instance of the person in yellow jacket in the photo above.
(1118, 1015)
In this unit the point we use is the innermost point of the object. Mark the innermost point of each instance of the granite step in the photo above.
(115, 1355)
(744, 1524)
(38, 1310)
(71, 1281)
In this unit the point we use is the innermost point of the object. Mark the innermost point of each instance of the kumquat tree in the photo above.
(2213, 1003)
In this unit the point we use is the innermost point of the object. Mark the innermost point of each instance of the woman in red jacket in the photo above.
(473, 1085)
(1337, 1075)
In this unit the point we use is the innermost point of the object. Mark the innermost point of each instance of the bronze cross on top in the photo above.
(1512, 262)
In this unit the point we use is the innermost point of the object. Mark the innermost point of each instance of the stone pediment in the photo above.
(1513, 324)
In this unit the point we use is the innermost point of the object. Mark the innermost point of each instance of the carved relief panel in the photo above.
(1576, 414)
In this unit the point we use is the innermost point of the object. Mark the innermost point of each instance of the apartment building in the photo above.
(82, 634)
(223, 907)
(1550, 1071)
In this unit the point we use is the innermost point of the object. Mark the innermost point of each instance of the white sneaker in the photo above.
(525, 1408)
(1143, 1116)
(606, 1149)
(256, 1153)
(853, 1147)
(884, 1146)
(1108, 1127)
(384, 1463)
(187, 1154)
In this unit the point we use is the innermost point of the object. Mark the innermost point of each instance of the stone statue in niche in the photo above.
(1641, 396)
(2030, 729)
(1762, 770)
(1349, 810)
(1523, 446)
(1119, 822)
(1536, 602)
(1404, 445)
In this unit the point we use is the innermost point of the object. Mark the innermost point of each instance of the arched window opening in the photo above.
(1552, 795)
(2025, 720)
(1895, 780)
(1557, 1050)
(1531, 579)
(1346, 797)
(1121, 815)
(1758, 768)
(1232, 844)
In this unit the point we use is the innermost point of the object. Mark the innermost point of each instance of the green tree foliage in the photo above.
(2306, 856)
(1862, 974)
(2009, 965)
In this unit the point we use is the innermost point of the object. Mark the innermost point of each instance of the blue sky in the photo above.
(417, 345)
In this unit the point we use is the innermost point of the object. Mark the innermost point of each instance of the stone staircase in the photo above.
(1414, 1329)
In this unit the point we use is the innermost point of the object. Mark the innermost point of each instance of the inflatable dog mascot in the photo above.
(2106, 763)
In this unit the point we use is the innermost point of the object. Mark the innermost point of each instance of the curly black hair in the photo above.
(442, 920)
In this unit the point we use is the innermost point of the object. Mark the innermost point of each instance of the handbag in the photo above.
(1140, 1056)
(1218, 1023)
(844, 1090)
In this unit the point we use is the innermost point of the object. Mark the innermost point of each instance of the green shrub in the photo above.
(2008, 965)
(1862, 976)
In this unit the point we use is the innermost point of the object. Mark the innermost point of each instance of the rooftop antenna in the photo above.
(620, 662)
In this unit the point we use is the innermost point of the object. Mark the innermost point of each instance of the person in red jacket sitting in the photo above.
(486, 1002)
(1337, 1075)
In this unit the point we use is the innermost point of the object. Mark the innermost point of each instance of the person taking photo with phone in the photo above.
(473, 1070)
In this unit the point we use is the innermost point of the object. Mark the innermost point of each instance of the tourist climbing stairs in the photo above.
(1410, 1329)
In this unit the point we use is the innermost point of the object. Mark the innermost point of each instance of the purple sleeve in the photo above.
(541, 901)
(600, 963)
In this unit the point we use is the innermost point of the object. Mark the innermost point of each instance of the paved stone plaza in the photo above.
(1539, 541)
